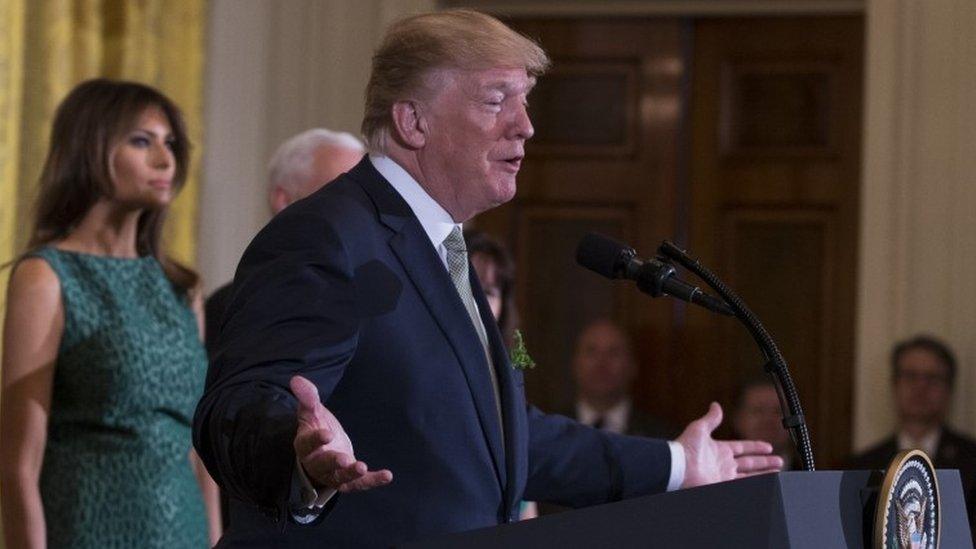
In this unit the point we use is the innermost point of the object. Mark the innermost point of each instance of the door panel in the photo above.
(775, 141)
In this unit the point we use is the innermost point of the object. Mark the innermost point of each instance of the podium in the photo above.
(784, 510)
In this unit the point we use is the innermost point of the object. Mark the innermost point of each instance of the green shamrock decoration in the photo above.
(520, 355)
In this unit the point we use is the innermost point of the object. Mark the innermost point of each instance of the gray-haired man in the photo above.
(302, 165)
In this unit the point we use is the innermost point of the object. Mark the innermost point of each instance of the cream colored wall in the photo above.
(275, 69)
(918, 214)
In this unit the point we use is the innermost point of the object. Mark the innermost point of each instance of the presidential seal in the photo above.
(909, 514)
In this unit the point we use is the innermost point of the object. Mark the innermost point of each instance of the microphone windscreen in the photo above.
(601, 254)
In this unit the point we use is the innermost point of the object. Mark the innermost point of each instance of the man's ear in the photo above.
(409, 124)
(278, 200)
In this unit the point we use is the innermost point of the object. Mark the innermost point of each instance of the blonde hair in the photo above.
(414, 46)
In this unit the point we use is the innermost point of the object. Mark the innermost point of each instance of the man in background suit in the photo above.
(299, 167)
(923, 372)
(362, 297)
(758, 416)
(604, 370)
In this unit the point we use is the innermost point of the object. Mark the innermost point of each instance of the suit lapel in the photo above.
(513, 400)
(423, 266)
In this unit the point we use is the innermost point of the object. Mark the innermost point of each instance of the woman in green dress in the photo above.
(102, 356)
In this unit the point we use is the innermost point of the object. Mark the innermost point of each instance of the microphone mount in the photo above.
(654, 276)
(775, 366)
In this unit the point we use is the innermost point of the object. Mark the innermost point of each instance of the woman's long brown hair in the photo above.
(77, 172)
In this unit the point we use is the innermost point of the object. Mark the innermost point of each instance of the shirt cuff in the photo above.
(311, 498)
(677, 465)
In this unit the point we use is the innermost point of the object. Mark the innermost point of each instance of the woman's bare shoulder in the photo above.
(33, 277)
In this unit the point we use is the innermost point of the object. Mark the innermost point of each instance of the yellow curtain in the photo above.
(11, 94)
(47, 47)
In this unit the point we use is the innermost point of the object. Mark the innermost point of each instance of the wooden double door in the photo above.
(736, 138)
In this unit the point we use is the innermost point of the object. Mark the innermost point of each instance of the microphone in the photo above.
(605, 256)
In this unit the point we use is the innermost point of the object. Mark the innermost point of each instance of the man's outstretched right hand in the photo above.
(323, 449)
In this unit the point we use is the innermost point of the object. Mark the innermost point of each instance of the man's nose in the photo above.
(521, 124)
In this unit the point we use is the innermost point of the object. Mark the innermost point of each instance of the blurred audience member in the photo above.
(758, 416)
(496, 271)
(302, 165)
(103, 363)
(306, 162)
(604, 369)
(923, 373)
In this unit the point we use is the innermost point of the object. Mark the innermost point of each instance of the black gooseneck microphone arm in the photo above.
(775, 366)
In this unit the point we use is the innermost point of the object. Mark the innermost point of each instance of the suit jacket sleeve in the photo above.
(293, 311)
(574, 465)
(213, 310)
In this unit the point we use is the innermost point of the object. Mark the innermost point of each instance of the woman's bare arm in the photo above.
(208, 488)
(32, 333)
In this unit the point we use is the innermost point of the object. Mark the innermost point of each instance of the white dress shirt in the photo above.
(614, 419)
(929, 443)
(435, 220)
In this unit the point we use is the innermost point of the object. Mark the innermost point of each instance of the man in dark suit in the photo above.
(604, 370)
(923, 372)
(361, 296)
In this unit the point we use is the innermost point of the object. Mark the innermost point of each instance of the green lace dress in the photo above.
(130, 370)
